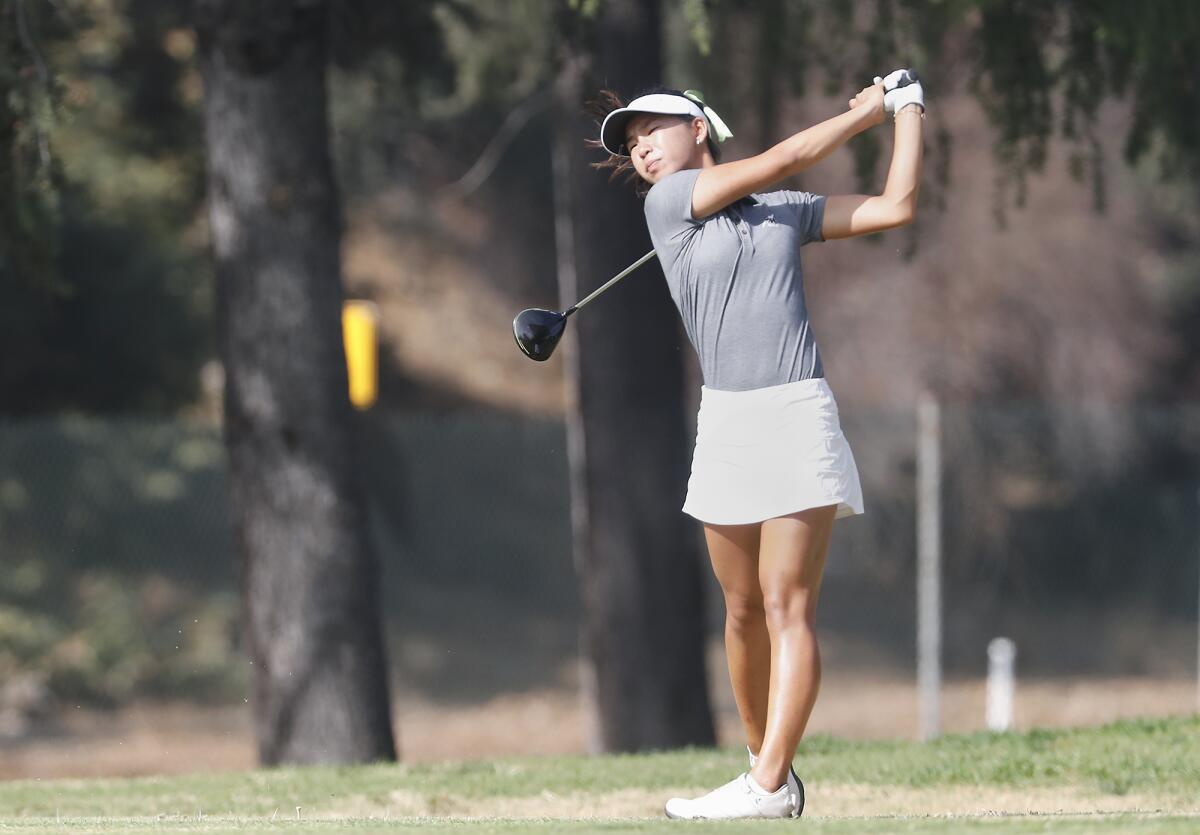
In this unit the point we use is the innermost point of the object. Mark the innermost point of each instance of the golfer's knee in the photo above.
(743, 611)
(788, 608)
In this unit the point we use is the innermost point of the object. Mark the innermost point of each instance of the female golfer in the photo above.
(771, 470)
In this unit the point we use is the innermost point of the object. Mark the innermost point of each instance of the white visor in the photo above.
(612, 131)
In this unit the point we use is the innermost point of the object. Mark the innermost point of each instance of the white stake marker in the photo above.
(1001, 681)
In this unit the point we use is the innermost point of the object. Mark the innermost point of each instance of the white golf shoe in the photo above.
(793, 781)
(737, 799)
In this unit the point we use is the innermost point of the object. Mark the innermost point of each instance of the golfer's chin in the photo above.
(655, 172)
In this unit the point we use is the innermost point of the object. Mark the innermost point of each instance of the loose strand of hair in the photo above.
(606, 102)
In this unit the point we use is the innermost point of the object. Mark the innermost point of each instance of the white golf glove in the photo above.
(901, 87)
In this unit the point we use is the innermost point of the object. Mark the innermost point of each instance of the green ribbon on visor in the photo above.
(719, 127)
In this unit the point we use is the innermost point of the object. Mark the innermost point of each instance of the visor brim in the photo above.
(612, 131)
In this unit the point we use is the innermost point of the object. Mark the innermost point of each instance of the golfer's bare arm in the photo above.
(847, 215)
(719, 185)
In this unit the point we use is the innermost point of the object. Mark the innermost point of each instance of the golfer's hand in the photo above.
(870, 98)
(901, 88)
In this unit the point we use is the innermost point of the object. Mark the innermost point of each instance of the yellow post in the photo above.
(360, 331)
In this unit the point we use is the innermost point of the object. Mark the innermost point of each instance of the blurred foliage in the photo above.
(1039, 70)
(117, 574)
(1172, 206)
(84, 495)
(105, 285)
(105, 282)
(118, 582)
(27, 171)
(695, 13)
(420, 104)
(115, 535)
(118, 641)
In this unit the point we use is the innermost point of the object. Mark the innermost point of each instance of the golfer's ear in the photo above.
(847, 215)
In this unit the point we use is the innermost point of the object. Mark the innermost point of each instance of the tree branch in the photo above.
(27, 42)
(478, 173)
(43, 142)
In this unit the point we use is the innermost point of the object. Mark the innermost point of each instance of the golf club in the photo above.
(907, 77)
(537, 331)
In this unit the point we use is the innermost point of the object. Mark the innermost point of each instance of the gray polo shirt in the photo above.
(736, 278)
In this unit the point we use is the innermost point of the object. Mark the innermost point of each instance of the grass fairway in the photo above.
(1133, 776)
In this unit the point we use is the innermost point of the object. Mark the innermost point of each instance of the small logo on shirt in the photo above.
(770, 220)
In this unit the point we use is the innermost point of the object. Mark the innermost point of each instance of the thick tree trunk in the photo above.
(629, 450)
(308, 575)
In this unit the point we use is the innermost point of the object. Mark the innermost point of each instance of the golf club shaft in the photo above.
(612, 281)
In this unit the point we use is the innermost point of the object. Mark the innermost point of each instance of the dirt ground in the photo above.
(158, 739)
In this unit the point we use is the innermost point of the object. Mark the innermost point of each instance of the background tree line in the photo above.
(145, 138)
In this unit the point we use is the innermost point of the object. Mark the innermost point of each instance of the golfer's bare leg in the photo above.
(791, 560)
(733, 550)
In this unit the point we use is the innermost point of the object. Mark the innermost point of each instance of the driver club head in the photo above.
(537, 332)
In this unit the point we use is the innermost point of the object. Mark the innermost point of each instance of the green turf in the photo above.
(1157, 759)
(1159, 823)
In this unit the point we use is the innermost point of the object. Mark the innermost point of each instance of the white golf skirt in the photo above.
(768, 452)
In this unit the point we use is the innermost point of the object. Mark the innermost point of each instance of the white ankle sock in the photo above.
(758, 789)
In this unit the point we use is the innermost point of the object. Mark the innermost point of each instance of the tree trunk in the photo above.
(635, 550)
(308, 577)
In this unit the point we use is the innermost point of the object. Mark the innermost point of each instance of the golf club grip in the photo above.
(910, 77)
(614, 279)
